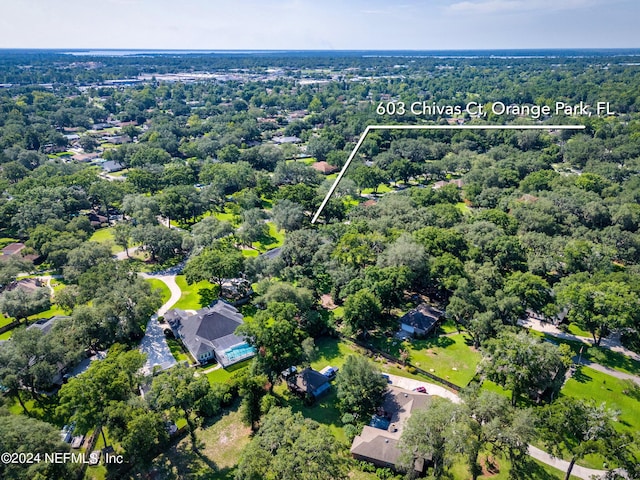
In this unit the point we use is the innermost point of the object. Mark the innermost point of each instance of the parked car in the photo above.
(420, 389)
(386, 377)
(329, 372)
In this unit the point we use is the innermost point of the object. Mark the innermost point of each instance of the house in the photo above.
(13, 248)
(309, 383)
(17, 250)
(28, 284)
(422, 320)
(378, 442)
(117, 139)
(458, 182)
(324, 168)
(46, 324)
(85, 157)
(110, 166)
(209, 333)
(280, 140)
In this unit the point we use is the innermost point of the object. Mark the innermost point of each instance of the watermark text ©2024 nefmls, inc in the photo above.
(477, 109)
(24, 458)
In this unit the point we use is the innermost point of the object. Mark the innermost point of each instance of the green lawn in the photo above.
(382, 188)
(619, 395)
(221, 375)
(190, 300)
(274, 239)
(220, 444)
(4, 320)
(449, 357)
(156, 284)
(616, 393)
(105, 236)
(463, 207)
(576, 330)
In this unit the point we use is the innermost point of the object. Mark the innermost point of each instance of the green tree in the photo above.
(523, 364)
(21, 303)
(277, 337)
(84, 399)
(214, 264)
(21, 434)
(599, 308)
(429, 435)
(579, 426)
(290, 447)
(178, 390)
(360, 387)
(362, 311)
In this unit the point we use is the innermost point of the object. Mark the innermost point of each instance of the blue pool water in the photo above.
(239, 351)
(379, 422)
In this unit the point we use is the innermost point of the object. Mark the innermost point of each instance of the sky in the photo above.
(319, 24)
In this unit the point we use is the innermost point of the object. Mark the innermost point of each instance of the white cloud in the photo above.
(516, 6)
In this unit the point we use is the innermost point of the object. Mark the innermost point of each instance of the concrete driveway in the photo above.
(154, 342)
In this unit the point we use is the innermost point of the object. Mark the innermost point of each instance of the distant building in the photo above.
(111, 166)
(324, 168)
(280, 140)
(46, 324)
(458, 182)
(209, 333)
(28, 284)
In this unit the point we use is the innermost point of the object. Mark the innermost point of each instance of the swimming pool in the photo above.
(239, 351)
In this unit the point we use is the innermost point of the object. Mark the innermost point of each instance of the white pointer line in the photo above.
(429, 127)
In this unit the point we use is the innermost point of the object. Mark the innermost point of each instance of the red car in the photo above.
(420, 389)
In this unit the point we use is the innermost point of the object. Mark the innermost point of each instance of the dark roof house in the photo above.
(46, 324)
(309, 382)
(209, 334)
(422, 320)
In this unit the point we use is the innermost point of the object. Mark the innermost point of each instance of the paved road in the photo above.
(612, 343)
(608, 371)
(123, 254)
(154, 342)
(577, 471)
(432, 389)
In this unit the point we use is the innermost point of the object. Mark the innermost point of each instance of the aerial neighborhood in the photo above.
(465, 304)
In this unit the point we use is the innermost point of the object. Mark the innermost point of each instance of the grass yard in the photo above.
(576, 330)
(324, 410)
(156, 284)
(4, 320)
(221, 444)
(449, 357)
(382, 188)
(52, 312)
(222, 375)
(190, 300)
(274, 239)
(618, 395)
(105, 236)
(463, 208)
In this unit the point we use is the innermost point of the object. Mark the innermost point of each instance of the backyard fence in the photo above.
(397, 361)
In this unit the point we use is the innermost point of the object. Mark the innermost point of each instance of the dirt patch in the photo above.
(327, 302)
(490, 466)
